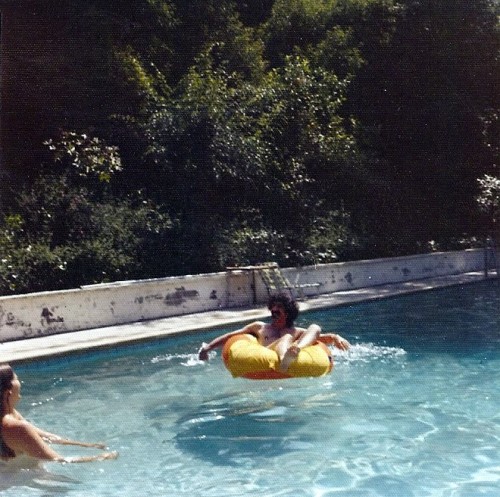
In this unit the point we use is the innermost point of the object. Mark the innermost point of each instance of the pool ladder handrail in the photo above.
(490, 257)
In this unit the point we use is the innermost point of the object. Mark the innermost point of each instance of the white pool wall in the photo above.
(95, 306)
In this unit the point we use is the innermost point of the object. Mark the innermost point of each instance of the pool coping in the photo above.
(32, 349)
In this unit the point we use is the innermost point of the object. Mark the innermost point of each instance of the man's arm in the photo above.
(307, 336)
(251, 329)
(336, 340)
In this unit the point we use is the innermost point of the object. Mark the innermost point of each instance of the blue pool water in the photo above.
(413, 409)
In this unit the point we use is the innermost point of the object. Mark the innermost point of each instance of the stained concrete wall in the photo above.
(367, 273)
(95, 306)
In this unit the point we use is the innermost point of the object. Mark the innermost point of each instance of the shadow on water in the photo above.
(13, 476)
(229, 434)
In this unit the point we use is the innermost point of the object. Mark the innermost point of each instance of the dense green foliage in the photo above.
(300, 131)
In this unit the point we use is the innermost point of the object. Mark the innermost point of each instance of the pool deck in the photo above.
(77, 341)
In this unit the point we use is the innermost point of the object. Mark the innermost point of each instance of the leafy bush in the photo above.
(489, 198)
(245, 245)
(326, 239)
(126, 242)
(68, 230)
(85, 156)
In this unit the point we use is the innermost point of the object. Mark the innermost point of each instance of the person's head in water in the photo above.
(287, 304)
(7, 379)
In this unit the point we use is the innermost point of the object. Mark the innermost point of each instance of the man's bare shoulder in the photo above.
(254, 327)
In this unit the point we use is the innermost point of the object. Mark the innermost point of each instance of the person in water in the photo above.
(281, 335)
(20, 437)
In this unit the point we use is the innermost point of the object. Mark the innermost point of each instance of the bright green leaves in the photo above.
(86, 156)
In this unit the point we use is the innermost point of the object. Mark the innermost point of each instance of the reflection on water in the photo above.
(26, 472)
(229, 435)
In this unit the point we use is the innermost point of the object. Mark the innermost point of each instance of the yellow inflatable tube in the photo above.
(244, 357)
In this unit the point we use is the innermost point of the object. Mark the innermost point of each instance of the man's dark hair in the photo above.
(289, 305)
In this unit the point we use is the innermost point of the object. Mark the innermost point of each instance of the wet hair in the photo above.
(289, 305)
(6, 378)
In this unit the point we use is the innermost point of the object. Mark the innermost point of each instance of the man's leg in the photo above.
(287, 352)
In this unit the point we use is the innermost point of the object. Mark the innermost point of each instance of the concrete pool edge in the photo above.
(40, 314)
(33, 349)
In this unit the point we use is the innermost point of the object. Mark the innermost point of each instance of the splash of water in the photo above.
(361, 352)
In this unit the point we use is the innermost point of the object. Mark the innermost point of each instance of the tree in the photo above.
(426, 91)
(269, 154)
(295, 25)
(67, 230)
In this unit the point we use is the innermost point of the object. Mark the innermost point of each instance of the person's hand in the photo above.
(108, 455)
(336, 340)
(340, 343)
(203, 352)
(98, 445)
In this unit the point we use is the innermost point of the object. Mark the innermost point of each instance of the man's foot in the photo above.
(290, 356)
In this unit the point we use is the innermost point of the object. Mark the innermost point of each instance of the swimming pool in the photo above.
(411, 410)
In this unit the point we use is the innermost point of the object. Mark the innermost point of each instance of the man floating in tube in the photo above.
(280, 335)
